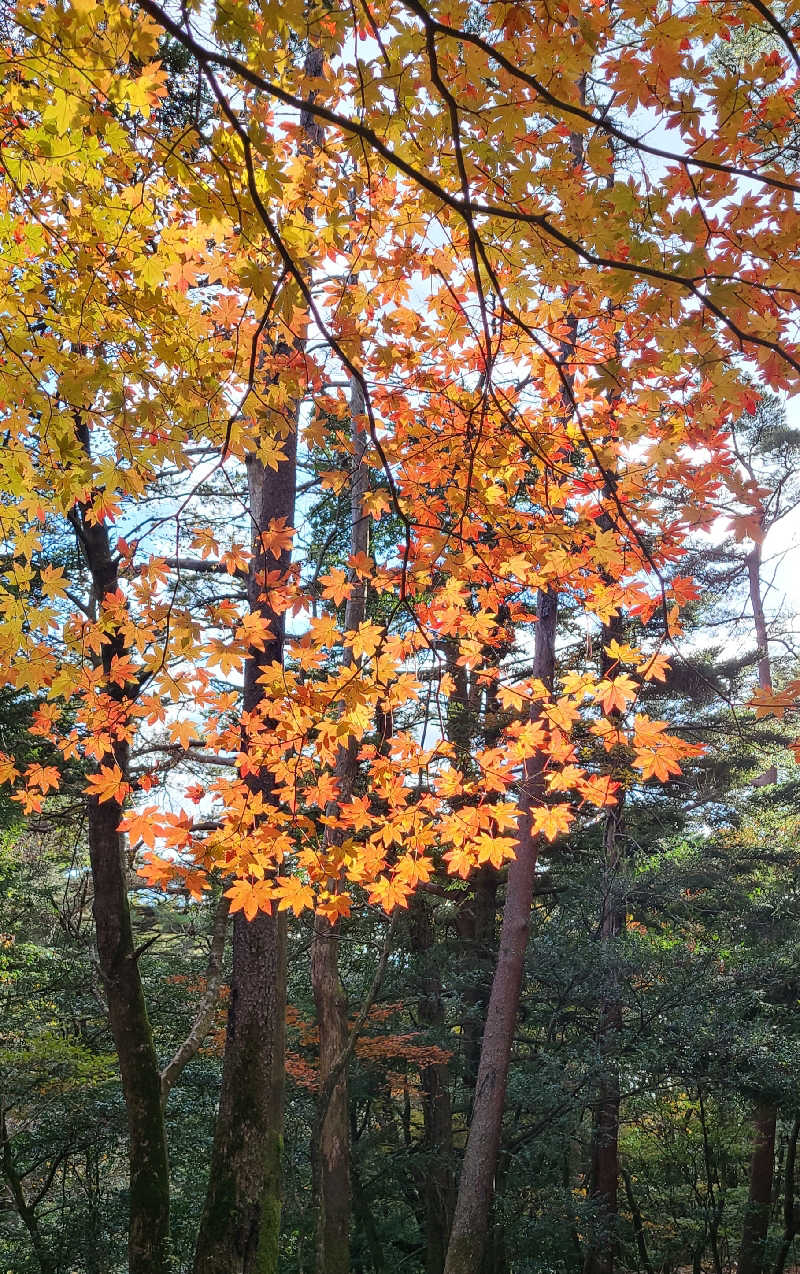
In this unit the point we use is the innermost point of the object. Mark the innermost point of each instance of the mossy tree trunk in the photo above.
(240, 1226)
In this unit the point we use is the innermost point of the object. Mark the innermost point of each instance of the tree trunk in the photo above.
(332, 1169)
(332, 1172)
(604, 1175)
(25, 1210)
(762, 1155)
(477, 930)
(602, 1246)
(471, 1219)
(477, 912)
(601, 1249)
(638, 1225)
(148, 1234)
(756, 1219)
(240, 1226)
(437, 1186)
(770, 775)
(789, 1213)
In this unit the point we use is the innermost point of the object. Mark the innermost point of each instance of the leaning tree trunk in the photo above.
(331, 1169)
(148, 1232)
(765, 1114)
(471, 1218)
(240, 1226)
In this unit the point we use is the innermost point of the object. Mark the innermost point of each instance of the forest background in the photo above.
(399, 863)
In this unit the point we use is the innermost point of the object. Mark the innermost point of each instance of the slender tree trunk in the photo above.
(602, 1245)
(148, 1234)
(638, 1225)
(476, 1186)
(765, 1115)
(437, 1185)
(25, 1210)
(332, 1172)
(789, 1211)
(477, 913)
(338, 1066)
(770, 775)
(208, 1005)
(477, 930)
(240, 1226)
(604, 1176)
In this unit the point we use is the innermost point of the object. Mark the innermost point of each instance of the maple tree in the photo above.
(515, 324)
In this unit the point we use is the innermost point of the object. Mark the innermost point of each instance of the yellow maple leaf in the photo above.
(293, 894)
(551, 820)
(183, 732)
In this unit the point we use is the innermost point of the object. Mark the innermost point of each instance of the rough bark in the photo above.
(339, 1065)
(762, 1158)
(789, 1210)
(477, 931)
(148, 1234)
(477, 911)
(240, 1226)
(332, 1172)
(471, 1218)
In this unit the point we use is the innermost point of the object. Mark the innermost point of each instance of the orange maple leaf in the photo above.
(107, 784)
(278, 537)
(141, 826)
(337, 587)
(615, 693)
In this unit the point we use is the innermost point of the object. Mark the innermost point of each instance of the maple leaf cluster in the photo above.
(544, 351)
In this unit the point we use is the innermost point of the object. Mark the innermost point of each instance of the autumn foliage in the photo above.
(549, 372)
(500, 276)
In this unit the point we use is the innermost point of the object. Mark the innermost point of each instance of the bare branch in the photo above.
(208, 1004)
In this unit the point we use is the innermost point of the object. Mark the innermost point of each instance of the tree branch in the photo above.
(208, 1004)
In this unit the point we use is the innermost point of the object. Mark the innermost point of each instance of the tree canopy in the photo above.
(379, 384)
